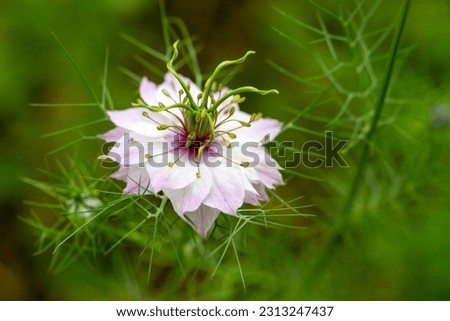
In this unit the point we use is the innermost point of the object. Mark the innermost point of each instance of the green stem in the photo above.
(336, 236)
(80, 73)
(165, 26)
(348, 205)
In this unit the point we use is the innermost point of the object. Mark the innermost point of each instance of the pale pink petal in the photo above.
(203, 218)
(147, 91)
(259, 194)
(228, 189)
(138, 181)
(112, 135)
(133, 120)
(262, 167)
(171, 170)
(262, 194)
(259, 129)
(128, 151)
(269, 176)
(172, 86)
(251, 198)
(233, 125)
(189, 198)
(248, 186)
(120, 174)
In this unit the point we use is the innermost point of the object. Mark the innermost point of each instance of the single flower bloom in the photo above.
(198, 148)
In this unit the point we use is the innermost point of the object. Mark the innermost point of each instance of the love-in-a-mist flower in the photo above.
(197, 147)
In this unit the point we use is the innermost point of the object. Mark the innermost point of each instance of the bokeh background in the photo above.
(397, 245)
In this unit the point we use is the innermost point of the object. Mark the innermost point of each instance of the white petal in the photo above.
(120, 174)
(228, 189)
(172, 86)
(262, 167)
(262, 194)
(171, 170)
(147, 91)
(189, 198)
(269, 176)
(133, 120)
(251, 198)
(203, 218)
(138, 181)
(259, 130)
(129, 151)
(113, 134)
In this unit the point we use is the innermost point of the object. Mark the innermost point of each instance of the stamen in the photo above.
(226, 142)
(231, 135)
(198, 174)
(255, 117)
(170, 164)
(213, 100)
(214, 86)
(163, 153)
(167, 93)
(139, 103)
(146, 115)
(235, 98)
(245, 164)
(164, 127)
(199, 97)
(241, 100)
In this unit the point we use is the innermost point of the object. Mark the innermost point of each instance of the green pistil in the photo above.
(221, 66)
(212, 136)
(236, 91)
(180, 80)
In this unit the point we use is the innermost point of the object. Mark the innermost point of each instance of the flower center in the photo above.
(192, 144)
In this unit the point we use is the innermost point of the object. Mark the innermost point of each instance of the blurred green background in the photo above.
(396, 245)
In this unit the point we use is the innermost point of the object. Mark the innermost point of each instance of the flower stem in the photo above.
(336, 236)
